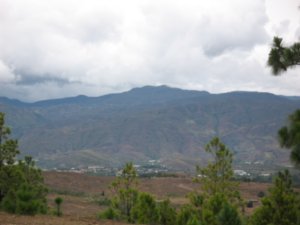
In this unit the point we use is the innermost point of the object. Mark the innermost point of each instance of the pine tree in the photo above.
(125, 192)
(166, 213)
(8, 152)
(281, 58)
(145, 210)
(217, 176)
(22, 188)
(280, 206)
(289, 136)
(218, 201)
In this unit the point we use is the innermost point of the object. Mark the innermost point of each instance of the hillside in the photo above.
(164, 123)
(82, 197)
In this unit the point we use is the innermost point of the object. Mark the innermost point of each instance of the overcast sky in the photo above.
(59, 48)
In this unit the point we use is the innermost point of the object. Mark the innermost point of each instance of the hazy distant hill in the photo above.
(149, 123)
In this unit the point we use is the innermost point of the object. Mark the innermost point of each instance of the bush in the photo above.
(187, 215)
(25, 200)
(229, 216)
(250, 204)
(104, 201)
(280, 206)
(166, 213)
(261, 194)
(110, 214)
(9, 202)
(144, 211)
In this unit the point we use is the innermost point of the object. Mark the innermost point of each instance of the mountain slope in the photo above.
(150, 123)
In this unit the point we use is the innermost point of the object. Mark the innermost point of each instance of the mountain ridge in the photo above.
(145, 123)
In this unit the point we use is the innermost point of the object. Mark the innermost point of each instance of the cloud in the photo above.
(62, 48)
(7, 74)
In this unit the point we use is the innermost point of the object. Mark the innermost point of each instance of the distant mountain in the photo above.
(164, 123)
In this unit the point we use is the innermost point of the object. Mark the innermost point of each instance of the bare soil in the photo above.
(80, 193)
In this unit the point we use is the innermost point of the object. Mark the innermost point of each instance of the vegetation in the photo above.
(280, 206)
(145, 210)
(133, 206)
(166, 213)
(58, 201)
(289, 136)
(217, 204)
(281, 57)
(22, 189)
(125, 195)
(219, 198)
(8, 152)
(217, 176)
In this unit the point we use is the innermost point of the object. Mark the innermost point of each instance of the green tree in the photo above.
(145, 210)
(281, 57)
(166, 213)
(218, 200)
(280, 206)
(125, 191)
(22, 189)
(217, 176)
(8, 152)
(216, 210)
(228, 215)
(188, 215)
(58, 201)
(25, 200)
(289, 137)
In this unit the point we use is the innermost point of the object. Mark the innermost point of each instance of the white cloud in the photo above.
(6, 74)
(67, 47)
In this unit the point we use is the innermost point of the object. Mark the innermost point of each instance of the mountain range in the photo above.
(169, 124)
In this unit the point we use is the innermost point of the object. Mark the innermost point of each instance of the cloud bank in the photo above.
(58, 48)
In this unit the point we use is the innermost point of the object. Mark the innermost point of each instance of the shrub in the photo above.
(166, 213)
(58, 201)
(250, 204)
(144, 211)
(261, 194)
(25, 200)
(187, 214)
(110, 214)
(104, 201)
(229, 216)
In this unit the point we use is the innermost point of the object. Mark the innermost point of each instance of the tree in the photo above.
(218, 211)
(228, 215)
(217, 176)
(218, 201)
(166, 213)
(8, 152)
(145, 210)
(125, 192)
(22, 188)
(280, 206)
(281, 58)
(58, 201)
(188, 215)
(289, 136)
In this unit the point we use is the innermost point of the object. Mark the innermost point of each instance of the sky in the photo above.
(61, 48)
